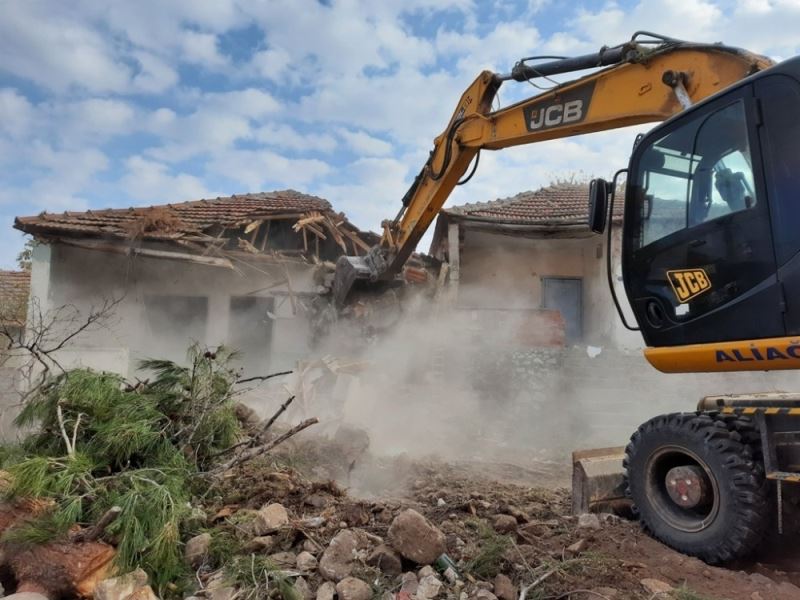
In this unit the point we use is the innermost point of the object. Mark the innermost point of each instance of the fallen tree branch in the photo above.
(277, 414)
(524, 591)
(253, 440)
(263, 377)
(96, 530)
(258, 451)
(60, 414)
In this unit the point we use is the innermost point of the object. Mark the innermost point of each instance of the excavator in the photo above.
(710, 256)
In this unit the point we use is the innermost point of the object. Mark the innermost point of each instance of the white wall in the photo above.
(85, 278)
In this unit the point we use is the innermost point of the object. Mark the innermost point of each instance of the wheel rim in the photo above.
(682, 489)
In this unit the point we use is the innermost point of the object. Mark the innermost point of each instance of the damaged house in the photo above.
(242, 270)
(532, 258)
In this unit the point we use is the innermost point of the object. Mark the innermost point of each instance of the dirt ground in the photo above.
(608, 561)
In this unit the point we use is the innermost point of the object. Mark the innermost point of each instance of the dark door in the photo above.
(698, 260)
(564, 295)
(779, 98)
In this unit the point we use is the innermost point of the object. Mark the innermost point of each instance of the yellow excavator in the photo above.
(710, 256)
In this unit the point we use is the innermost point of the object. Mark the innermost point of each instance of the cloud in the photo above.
(153, 182)
(363, 143)
(40, 43)
(16, 113)
(280, 135)
(257, 170)
(220, 120)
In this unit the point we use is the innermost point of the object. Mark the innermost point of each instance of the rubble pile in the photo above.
(255, 524)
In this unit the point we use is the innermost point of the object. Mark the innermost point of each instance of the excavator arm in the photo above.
(644, 81)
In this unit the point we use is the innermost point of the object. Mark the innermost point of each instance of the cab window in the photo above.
(697, 173)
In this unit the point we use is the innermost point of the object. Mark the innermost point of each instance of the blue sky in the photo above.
(120, 103)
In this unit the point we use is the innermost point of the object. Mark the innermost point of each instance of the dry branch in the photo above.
(260, 450)
(96, 530)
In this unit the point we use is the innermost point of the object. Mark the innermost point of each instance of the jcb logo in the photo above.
(556, 114)
(565, 108)
(688, 283)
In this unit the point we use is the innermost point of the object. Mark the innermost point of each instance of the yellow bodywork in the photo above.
(769, 354)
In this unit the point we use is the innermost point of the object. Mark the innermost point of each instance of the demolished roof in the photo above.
(14, 289)
(184, 218)
(238, 223)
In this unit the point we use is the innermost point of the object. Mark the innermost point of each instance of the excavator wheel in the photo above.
(698, 485)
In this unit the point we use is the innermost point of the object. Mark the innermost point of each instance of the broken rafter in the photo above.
(150, 253)
(337, 236)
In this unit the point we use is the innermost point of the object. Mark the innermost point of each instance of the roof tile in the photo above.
(187, 217)
(562, 204)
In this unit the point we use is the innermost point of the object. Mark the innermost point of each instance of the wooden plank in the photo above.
(150, 253)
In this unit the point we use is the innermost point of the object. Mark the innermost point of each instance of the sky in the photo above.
(113, 103)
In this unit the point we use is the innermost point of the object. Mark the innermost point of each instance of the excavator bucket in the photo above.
(349, 269)
(352, 269)
(598, 481)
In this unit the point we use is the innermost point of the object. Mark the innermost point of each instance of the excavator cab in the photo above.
(709, 245)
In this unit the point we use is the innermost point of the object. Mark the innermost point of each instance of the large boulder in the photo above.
(416, 538)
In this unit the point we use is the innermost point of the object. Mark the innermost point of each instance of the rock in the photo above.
(224, 592)
(760, 579)
(306, 561)
(196, 549)
(270, 518)
(504, 523)
(261, 543)
(441, 502)
(311, 547)
(312, 523)
(338, 560)
(285, 560)
(485, 595)
(317, 500)
(301, 585)
(26, 596)
(756, 596)
(588, 521)
(246, 415)
(425, 572)
(429, 587)
(609, 519)
(409, 583)
(143, 593)
(119, 588)
(415, 538)
(656, 586)
(387, 560)
(326, 591)
(351, 588)
(504, 588)
(577, 547)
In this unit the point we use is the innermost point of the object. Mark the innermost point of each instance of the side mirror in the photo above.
(598, 205)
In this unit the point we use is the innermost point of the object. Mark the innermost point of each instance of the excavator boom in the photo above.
(643, 82)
